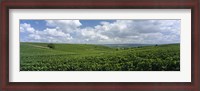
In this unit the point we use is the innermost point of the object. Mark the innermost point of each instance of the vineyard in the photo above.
(88, 57)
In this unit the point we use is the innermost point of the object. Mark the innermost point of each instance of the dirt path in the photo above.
(38, 46)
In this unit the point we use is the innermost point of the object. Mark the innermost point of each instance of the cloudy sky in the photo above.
(101, 31)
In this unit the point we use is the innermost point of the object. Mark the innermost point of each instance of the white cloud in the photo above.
(26, 27)
(140, 31)
(66, 26)
(47, 35)
(34, 36)
(54, 32)
(120, 31)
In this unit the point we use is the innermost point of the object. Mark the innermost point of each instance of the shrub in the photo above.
(52, 46)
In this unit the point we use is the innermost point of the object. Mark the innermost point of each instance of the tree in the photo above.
(51, 45)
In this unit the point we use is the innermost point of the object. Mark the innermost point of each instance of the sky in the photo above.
(144, 31)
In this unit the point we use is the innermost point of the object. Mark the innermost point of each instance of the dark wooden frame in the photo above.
(99, 4)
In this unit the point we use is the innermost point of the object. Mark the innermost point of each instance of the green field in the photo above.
(88, 57)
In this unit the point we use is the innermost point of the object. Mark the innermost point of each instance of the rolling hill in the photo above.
(88, 57)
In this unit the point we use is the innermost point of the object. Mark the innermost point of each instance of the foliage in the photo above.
(51, 45)
(85, 57)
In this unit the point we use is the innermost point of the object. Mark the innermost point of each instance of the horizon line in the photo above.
(100, 43)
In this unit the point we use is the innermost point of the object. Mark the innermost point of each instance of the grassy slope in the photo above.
(79, 49)
(36, 56)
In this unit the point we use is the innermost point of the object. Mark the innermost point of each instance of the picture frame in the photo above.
(100, 4)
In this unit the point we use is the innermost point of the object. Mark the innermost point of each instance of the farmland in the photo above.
(88, 57)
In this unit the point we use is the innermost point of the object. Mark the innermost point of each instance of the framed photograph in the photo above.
(100, 45)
